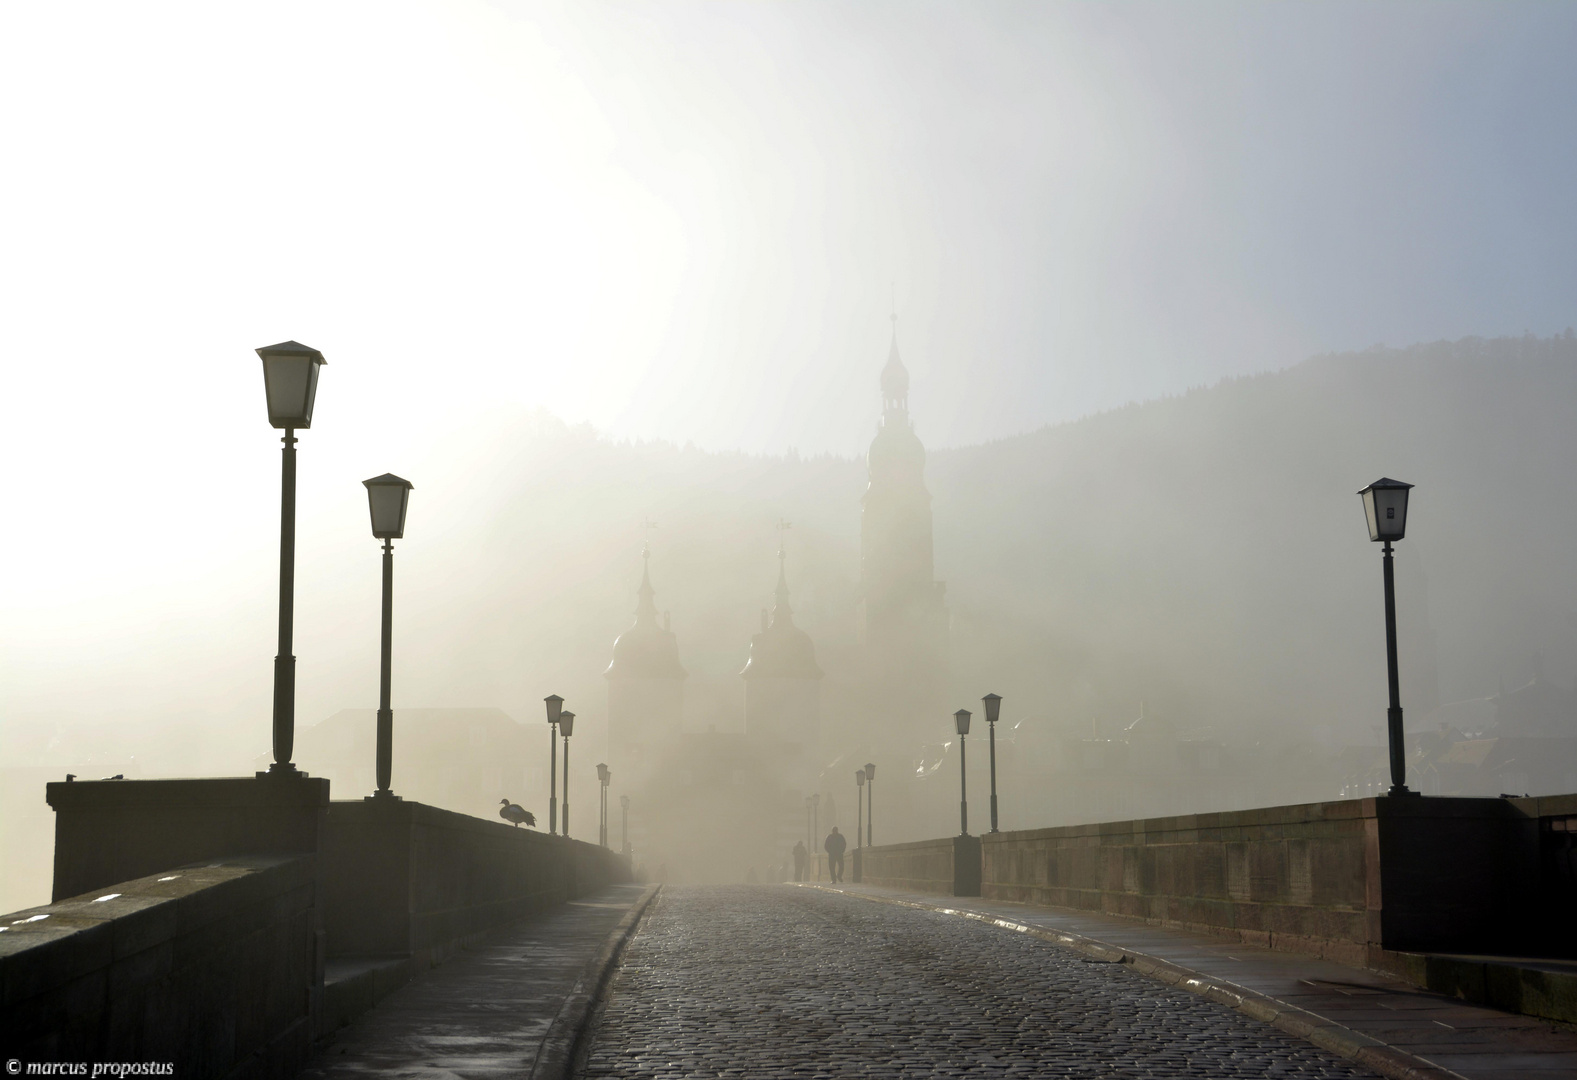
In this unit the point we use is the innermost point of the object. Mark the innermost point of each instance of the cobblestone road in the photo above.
(758, 981)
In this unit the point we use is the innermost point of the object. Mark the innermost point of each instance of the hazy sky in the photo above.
(689, 221)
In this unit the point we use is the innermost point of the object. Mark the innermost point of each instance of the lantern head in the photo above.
(290, 379)
(961, 721)
(387, 498)
(555, 706)
(1385, 507)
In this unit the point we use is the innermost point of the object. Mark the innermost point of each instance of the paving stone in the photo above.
(768, 981)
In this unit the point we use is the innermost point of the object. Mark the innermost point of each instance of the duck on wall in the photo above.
(514, 812)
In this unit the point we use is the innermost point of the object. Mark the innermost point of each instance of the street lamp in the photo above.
(555, 706)
(566, 728)
(859, 807)
(1385, 508)
(603, 776)
(815, 832)
(387, 498)
(290, 382)
(870, 796)
(624, 804)
(961, 719)
(993, 704)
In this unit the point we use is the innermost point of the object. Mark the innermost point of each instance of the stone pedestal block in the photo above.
(966, 865)
(109, 831)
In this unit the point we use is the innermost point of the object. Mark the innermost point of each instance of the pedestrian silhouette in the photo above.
(835, 844)
(800, 858)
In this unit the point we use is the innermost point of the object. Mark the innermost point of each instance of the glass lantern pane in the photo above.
(1368, 513)
(288, 380)
(1390, 508)
(388, 509)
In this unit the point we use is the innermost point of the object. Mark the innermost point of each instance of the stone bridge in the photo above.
(241, 928)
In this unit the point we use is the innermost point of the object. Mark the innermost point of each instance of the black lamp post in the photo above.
(624, 805)
(603, 776)
(815, 832)
(566, 728)
(961, 720)
(859, 808)
(1385, 507)
(555, 706)
(387, 498)
(870, 804)
(993, 704)
(290, 379)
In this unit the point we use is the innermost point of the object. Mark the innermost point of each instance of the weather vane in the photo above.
(782, 527)
(646, 545)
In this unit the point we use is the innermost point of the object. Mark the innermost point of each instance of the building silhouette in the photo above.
(905, 619)
(715, 803)
(645, 681)
(783, 689)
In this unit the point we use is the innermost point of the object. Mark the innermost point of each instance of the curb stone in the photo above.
(565, 1043)
(1383, 1058)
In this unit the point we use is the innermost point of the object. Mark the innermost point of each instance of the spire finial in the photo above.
(782, 612)
(646, 607)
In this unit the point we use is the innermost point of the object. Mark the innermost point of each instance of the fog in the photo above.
(578, 268)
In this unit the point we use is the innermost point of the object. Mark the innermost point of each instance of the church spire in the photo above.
(646, 607)
(782, 613)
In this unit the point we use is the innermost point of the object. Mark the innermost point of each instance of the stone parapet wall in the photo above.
(1352, 880)
(1294, 874)
(406, 879)
(922, 866)
(215, 970)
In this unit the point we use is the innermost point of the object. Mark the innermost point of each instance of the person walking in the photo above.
(800, 857)
(835, 845)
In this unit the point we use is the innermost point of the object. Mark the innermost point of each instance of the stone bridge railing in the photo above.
(194, 921)
(1360, 880)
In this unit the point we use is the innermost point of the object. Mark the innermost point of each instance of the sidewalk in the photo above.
(1369, 1016)
(515, 1006)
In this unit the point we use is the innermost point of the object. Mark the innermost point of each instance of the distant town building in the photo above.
(717, 804)
(904, 614)
(645, 681)
(783, 688)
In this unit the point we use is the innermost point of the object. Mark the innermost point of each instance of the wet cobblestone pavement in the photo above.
(759, 981)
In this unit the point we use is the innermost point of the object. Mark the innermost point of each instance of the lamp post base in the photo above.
(385, 797)
(283, 769)
(1402, 790)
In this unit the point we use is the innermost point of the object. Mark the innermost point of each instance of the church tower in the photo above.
(783, 681)
(645, 681)
(905, 618)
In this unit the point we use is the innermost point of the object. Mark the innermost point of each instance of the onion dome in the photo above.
(782, 650)
(646, 650)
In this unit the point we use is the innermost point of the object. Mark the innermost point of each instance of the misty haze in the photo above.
(752, 388)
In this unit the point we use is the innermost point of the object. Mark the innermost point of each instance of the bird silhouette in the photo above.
(513, 813)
